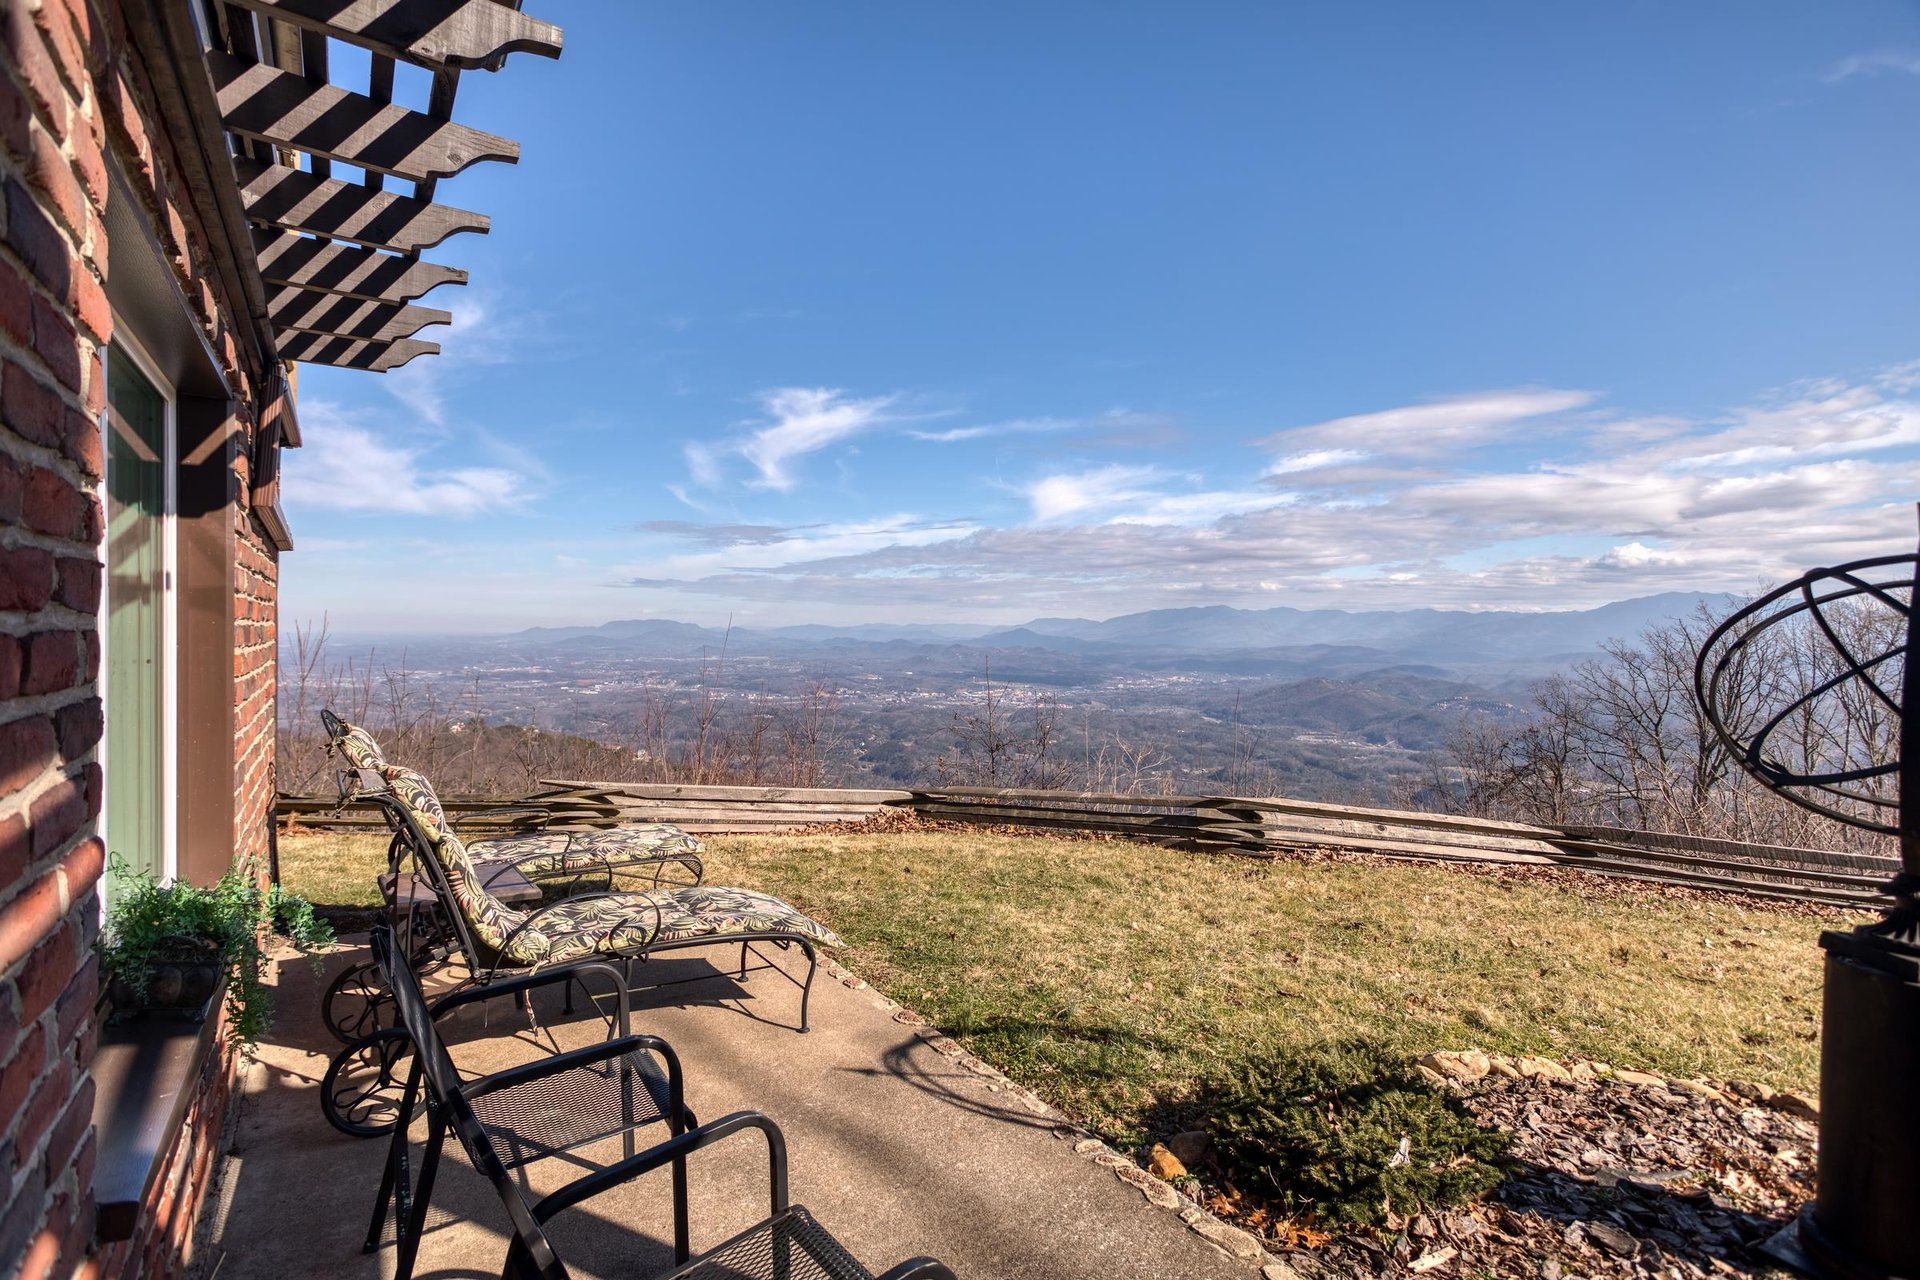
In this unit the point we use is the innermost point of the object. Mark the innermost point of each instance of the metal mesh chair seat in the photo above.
(556, 1101)
(556, 1113)
(788, 1246)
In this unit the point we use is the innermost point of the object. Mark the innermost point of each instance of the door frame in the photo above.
(125, 344)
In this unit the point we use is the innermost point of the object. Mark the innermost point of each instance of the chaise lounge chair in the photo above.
(787, 1245)
(461, 923)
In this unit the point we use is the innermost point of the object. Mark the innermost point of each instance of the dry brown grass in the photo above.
(1115, 978)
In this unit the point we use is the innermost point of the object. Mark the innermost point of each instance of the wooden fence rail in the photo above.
(1251, 826)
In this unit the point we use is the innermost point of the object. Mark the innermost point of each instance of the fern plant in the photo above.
(151, 924)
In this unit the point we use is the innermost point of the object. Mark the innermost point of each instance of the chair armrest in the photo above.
(541, 1068)
(918, 1269)
(674, 1149)
(532, 981)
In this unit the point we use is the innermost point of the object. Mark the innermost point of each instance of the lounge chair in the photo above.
(787, 1245)
(461, 923)
(540, 864)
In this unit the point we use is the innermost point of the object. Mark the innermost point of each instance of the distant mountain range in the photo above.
(1302, 642)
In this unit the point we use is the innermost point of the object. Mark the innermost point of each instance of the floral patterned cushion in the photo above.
(704, 911)
(357, 747)
(609, 924)
(550, 852)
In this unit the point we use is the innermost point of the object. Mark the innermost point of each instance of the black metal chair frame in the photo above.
(408, 1195)
(449, 1106)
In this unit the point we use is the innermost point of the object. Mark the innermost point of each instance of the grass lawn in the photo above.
(1115, 978)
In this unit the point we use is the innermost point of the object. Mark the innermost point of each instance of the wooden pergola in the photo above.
(339, 265)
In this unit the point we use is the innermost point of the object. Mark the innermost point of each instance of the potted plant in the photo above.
(167, 947)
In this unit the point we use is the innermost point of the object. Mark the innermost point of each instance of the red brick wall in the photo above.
(73, 92)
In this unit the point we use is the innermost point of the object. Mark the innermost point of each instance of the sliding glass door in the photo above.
(138, 616)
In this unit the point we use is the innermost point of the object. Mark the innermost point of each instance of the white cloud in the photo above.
(799, 421)
(1056, 497)
(1437, 426)
(1017, 427)
(347, 466)
(1873, 64)
(1314, 460)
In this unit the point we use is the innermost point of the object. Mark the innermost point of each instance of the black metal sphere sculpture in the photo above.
(1807, 686)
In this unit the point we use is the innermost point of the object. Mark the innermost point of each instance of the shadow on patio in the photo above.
(896, 1148)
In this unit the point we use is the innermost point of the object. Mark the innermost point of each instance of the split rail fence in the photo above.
(1251, 826)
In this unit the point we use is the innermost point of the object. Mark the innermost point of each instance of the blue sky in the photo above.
(827, 312)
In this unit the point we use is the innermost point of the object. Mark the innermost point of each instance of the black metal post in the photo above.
(1864, 1223)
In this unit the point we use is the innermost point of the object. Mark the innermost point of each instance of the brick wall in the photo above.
(74, 92)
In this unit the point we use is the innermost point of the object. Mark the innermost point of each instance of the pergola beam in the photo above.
(308, 311)
(353, 353)
(288, 110)
(350, 271)
(288, 198)
(428, 33)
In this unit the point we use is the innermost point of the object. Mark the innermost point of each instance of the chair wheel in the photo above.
(361, 1093)
(357, 1004)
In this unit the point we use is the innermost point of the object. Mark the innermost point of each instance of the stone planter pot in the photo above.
(186, 977)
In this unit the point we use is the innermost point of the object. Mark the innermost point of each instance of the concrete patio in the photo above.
(896, 1147)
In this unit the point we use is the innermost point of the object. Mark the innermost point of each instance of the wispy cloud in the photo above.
(1437, 426)
(480, 335)
(347, 465)
(798, 421)
(1872, 64)
(1057, 497)
(1016, 427)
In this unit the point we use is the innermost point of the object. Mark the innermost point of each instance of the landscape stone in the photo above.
(1239, 1243)
(1466, 1066)
(1278, 1270)
(1163, 1164)
(1700, 1089)
(1794, 1105)
(1191, 1146)
(1157, 1192)
(1641, 1078)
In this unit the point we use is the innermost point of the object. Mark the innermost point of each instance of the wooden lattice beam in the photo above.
(353, 353)
(430, 33)
(264, 102)
(345, 269)
(281, 197)
(312, 312)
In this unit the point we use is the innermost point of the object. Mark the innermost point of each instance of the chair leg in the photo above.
(743, 962)
(422, 1197)
(682, 1232)
(396, 1174)
(806, 989)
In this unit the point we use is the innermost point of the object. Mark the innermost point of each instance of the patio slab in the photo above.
(896, 1148)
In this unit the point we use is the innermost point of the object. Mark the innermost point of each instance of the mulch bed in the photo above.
(1610, 1180)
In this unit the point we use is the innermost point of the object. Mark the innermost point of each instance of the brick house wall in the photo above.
(76, 98)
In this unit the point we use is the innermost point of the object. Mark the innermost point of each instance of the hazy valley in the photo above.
(1320, 703)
